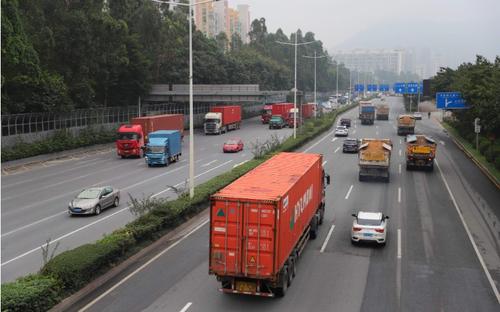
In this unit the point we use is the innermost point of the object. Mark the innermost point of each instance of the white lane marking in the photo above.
(186, 307)
(126, 278)
(239, 164)
(399, 194)
(103, 218)
(209, 163)
(399, 169)
(399, 244)
(399, 152)
(400, 141)
(334, 139)
(481, 260)
(349, 192)
(354, 132)
(324, 163)
(336, 150)
(327, 238)
(33, 223)
(442, 142)
(319, 141)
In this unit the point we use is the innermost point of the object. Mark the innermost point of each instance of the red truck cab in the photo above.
(129, 141)
(267, 112)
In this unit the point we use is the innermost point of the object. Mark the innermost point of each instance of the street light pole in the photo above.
(350, 88)
(295, 81)
(337, 82)
(190, 4)
(315, 58)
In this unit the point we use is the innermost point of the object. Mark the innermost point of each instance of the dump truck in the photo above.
(406, 124)
(163, 148)
(221, 119)
(374, 159)
(382, 112)
(260, 224)
(367, 113)
(420, 152)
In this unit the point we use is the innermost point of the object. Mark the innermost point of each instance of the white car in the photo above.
(341, 131)
(370, 227)
(417, 116)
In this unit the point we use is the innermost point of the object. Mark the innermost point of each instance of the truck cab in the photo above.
(164, 147)
(267, 111)
(213, 123)
(130, 141)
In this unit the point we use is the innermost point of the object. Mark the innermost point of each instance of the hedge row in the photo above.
(71, 270)
(61, 140)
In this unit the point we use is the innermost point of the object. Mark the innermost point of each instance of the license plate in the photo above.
(246, 286)
(368, 235)
(77, 209)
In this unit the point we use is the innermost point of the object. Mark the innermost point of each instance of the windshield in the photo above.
(266, 111)
(155, 149)
(276, 119)
(340, 128)
(231, 142)
(128, 136)
(89, 194)
(369, 222)
(212, 120)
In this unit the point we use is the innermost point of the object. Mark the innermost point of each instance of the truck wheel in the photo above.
(313, 231)
(281, 291)
(321, 215)
(361, 178)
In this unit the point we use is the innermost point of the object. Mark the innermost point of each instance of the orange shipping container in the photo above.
(160, 122)
(257, 221)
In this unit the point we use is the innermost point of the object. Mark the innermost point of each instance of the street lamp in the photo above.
(315, 58)
(190, 4)
(295, 81)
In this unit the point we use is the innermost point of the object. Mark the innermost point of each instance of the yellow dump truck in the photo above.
(382, 112)
(374, 159)
(406, 124)
(420, 152)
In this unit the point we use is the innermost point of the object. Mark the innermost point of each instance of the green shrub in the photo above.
(31, 293)
(484, 145)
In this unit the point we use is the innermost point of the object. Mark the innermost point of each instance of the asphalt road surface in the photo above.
(35, 201)
(430, 263)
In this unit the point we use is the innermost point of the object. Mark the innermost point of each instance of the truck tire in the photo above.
(321, 215)
(281, 291)
(313, 231)
(361, 178)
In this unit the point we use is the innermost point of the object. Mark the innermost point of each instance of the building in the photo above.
(212, 18)
(372, 60)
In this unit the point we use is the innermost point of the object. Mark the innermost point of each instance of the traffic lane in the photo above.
(25, 206)
(69, 236)
(441, 270)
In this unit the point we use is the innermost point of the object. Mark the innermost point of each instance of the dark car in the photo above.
(350, 146)
(276, 122)
(345, 122)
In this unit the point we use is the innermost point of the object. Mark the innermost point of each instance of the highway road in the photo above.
(430, 263)
(35, 201)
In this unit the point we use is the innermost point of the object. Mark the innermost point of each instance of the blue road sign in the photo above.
(359, 87)
(400, 87)
(450, 100)
(383, 88)
(412, 88)
(372, 87)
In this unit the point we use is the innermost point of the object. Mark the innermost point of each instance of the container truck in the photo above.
(361, 105)
(282, 109)
(406, 124)
(308, 110)
(132, 138)
(267, 112)
(420, 152)
(374, 159)
(160, 122)
(367, 114)
(221, 119)
(260, 224)
(382, 112)
(164, 147)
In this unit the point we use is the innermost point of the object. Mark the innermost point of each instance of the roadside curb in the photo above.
(481, 167)
(132, 262)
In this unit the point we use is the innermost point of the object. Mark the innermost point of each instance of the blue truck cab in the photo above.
(164, 147)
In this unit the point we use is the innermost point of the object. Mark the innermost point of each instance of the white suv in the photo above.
(341, 131)
(369, 226)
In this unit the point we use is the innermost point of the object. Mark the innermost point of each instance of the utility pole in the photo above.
(315, 75)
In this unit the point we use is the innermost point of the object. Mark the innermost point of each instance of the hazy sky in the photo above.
(457, 29)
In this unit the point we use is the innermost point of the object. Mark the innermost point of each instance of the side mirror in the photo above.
(354, 215)
(327, 179)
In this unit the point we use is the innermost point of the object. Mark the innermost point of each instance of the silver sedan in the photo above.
(93, 200)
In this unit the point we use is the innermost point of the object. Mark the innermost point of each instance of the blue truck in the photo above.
(367, 114)
(164, 147)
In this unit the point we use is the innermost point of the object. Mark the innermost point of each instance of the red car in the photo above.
(233, 146)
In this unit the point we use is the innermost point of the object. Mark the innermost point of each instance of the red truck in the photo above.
(308, 110)
(282, 109)
(132, 138)
(260, 224)
(267, 111)
(220, 119)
